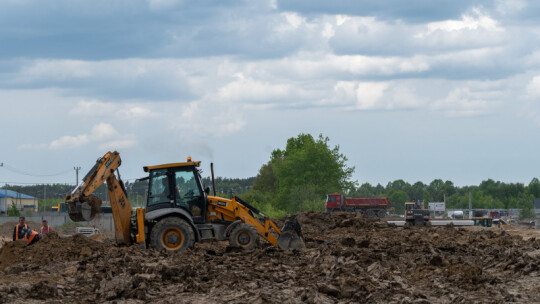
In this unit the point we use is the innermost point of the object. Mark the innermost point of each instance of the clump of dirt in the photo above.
(94, 202)
(349, 259)
(77, 211)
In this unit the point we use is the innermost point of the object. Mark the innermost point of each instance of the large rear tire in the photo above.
(371, 213)
(172, 234)
(381, 213)
(243, 236)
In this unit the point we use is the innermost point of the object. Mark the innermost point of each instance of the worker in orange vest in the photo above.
(18, 232)
(32, 236)
(45, 228)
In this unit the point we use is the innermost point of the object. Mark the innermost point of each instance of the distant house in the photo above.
(537, 206)
(23, 202)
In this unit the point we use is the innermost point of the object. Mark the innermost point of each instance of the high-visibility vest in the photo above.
(48, 229)
(32, 236)
(17, 231)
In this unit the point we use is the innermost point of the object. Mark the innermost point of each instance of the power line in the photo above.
(55, 183)
(14, 170)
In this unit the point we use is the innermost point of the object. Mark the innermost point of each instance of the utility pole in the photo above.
(44, 198)
(470, 205)
(76, 175)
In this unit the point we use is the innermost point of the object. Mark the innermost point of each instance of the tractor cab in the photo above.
(483, 221)
(177, 185)
(416, 215)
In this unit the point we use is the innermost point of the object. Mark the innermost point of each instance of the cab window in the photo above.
(187, 192)
(158, 188)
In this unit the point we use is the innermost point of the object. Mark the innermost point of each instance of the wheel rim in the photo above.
(243, 239)
(172, 238)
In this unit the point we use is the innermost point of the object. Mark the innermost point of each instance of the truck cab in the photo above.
(334, 202)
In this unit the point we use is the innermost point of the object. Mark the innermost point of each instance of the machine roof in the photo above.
(14, 194)
(186, 164)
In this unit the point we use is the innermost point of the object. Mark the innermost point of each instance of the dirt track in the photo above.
(349, 259)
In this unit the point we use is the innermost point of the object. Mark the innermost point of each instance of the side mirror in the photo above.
(207, 190)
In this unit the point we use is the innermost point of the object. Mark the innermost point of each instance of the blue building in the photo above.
(22, 201)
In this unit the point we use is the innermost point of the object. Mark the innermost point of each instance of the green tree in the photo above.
(13, 211)
(306, 171)
(416, 191)
(436, 189)
(398, 199)
(266, 181)
(365, 190)
(534, 188)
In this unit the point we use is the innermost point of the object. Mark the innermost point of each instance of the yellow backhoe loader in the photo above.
(178, 211)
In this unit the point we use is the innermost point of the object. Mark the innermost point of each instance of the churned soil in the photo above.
(348, 259)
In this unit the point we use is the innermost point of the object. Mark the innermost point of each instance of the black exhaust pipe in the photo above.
(213, 180)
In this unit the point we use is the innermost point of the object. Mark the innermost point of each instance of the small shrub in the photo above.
(13, 211)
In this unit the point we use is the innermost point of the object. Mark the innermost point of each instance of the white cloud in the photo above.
(57, 69)
(379, 65)
(113, 110)
(103, 131)
(507, 7)
(352, 95)
(473, 21)
(292, 21)
(368, 94)
(102, 135)
(464, 102)
(92, 108)
(533, 87)
(69, 142)
(475, 29)
(205, 117)
(328, 31)
(138, 111)
(118, 144)
(253, 91)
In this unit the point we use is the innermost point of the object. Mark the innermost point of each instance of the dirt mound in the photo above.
(50, 248)
(349, 259)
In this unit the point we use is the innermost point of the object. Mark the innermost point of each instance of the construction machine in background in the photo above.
(416, 215)
(178, 211)
(483, 221)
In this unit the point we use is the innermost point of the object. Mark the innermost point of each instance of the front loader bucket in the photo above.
(84, 209)
(291, 235)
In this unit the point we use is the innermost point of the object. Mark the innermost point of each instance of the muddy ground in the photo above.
(349, 259)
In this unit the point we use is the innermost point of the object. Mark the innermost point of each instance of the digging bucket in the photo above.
(291, 235)
(84, 209)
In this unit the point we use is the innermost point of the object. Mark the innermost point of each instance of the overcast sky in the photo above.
(412, 90)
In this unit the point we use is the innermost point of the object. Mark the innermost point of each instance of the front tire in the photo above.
(172, 234)
(243, 236)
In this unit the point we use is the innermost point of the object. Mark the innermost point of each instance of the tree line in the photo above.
(489, 194)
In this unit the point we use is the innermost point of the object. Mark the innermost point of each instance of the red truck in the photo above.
(372, 207)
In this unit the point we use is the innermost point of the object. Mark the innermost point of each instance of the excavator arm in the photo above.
(83, 206)
(290, 236)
